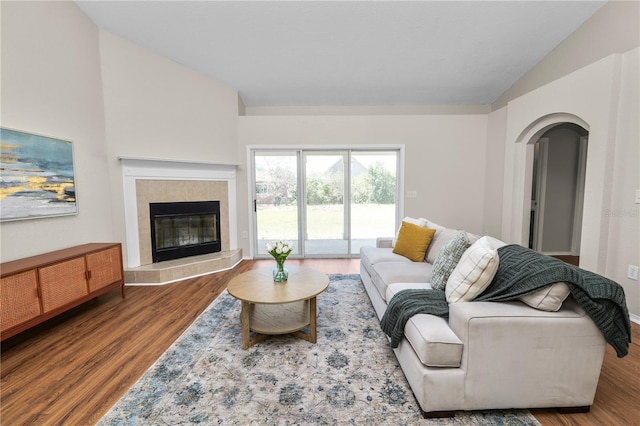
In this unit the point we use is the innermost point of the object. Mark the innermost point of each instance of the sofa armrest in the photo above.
(527, 357)
(462, 315)
(384, 242)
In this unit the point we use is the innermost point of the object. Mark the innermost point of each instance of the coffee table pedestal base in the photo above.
(274, 319)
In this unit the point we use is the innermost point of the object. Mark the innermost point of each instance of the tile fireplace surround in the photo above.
(157, 180)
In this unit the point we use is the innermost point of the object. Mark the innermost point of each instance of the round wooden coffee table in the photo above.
(278, 308)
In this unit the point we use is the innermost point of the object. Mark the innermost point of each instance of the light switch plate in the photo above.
(632, 272)
(637, 196)
(412, 194)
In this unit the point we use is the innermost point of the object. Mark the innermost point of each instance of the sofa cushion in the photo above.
(385, 273)
(435, 344)
(472, 237)
(371, 255)
(421, 221)
(549, 298)
(433, 341)
(473, 273)
(440, 238)
(395, 288)
(448, 259)
(413, 241)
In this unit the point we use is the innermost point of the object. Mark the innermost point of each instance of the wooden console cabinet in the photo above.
(37, 288)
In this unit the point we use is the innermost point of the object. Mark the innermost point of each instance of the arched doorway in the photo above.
(519, 182)
(522, 133)
(557, 190)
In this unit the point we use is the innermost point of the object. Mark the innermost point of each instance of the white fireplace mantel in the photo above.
(134, 168)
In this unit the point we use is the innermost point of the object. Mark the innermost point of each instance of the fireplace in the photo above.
(183, 229)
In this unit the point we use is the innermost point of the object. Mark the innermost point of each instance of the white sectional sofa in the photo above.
(486, 355)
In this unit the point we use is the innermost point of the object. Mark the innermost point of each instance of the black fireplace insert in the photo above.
(184, 229)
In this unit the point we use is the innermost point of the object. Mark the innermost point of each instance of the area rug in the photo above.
(350, 376)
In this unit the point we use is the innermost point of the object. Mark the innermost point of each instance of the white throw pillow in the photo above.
(495, 243)
(549, 298)
(474, 272)
(419, 221)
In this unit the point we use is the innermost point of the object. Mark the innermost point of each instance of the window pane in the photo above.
(373, 197)
(325, 215)
(276, 175)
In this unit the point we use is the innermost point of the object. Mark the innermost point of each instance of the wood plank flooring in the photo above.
(72, 369)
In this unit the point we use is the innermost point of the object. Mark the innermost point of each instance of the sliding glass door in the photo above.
(329, 203)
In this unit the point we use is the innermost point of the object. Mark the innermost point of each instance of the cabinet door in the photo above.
(105, 267)
(62, 283)
(19, 298)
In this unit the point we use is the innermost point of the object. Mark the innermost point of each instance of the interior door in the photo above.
(538, 194)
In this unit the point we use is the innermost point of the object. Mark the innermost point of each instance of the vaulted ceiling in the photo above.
(295, 53)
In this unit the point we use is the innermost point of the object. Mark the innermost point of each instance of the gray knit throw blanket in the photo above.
(523, 271)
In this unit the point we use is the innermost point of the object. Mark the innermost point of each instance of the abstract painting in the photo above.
(36, 176)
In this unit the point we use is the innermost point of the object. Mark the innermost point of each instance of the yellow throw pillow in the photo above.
(413, 241)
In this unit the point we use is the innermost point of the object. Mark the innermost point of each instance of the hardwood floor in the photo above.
(72, 369)
(617, 400)
(572, 260)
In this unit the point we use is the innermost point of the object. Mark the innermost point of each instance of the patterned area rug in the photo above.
(350, 376)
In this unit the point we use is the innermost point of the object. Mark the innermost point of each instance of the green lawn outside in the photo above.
(326, 221)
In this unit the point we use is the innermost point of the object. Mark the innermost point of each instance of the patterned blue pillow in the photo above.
(447, 260)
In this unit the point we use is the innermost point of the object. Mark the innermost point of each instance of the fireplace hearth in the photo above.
(183, 229)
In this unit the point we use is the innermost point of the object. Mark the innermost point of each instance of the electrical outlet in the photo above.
(245, 234)
(632, 272)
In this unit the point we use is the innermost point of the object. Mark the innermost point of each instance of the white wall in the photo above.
(65, 78)
(604, 96)
(51, 85)
(614, 28)
(623, 214)
(594, 69)
(445, 157)
(494, 172)
(157, 108)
